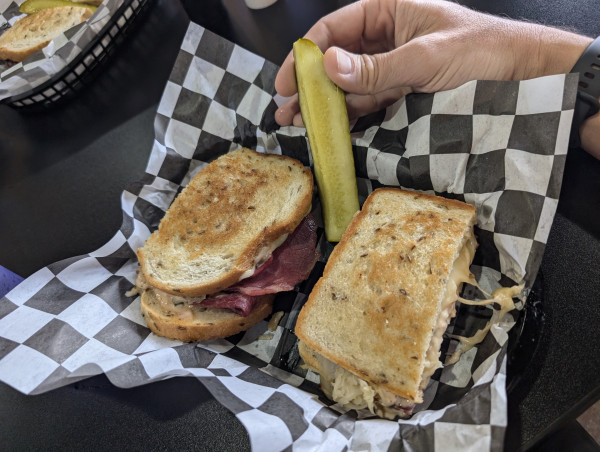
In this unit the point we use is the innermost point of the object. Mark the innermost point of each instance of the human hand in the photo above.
(379, 50)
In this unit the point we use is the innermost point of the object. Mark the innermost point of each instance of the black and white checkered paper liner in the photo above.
(40, 67)
(498, 145)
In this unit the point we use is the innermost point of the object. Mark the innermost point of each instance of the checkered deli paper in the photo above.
(18, 78)
(498, 145)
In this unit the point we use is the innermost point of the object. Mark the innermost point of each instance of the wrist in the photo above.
(550, 51)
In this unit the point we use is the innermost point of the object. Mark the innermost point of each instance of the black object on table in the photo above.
(61, 175)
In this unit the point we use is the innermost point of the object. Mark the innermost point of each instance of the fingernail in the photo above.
(344, 62)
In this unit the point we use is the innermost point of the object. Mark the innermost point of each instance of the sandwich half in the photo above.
(237, 234)
(35, 31)
(373, 325)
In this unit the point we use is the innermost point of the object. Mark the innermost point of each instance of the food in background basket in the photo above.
(373, 325)
(34, 6)
(35, 31)
(81, 2)
(238, 233)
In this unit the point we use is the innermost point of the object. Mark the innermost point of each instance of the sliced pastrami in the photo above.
(289, 264)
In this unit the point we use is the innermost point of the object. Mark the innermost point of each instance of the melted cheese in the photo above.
(263, 254)
(460, 274)
(504, 298)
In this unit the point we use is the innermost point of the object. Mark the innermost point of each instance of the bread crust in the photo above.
(385, 281)
(35, 31)
(216, 229)
(308, 356)
(205, 324)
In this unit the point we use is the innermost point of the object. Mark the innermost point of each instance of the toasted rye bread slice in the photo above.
(34, 32)
(225, 222)
(200, 323)
(374, 310)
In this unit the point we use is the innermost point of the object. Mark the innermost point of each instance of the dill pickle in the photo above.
(34, 6)
(324, 113)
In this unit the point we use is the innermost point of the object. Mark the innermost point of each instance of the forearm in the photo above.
(556, 51)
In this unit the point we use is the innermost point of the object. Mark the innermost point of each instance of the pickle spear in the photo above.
(34, 6)
(324, 113)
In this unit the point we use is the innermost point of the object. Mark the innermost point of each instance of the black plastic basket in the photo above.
(83, 67)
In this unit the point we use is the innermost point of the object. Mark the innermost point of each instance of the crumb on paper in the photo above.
(132, 292)
(275, 318)
(265, 337)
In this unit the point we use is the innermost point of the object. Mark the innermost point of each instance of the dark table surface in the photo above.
(61, 175)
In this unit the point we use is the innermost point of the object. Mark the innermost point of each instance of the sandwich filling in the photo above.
(352, 392)
(276, 269)
(460, 274)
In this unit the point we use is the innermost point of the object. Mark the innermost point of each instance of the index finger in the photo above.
(342, 28)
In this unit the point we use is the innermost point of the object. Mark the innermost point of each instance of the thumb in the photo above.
(366, 74)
